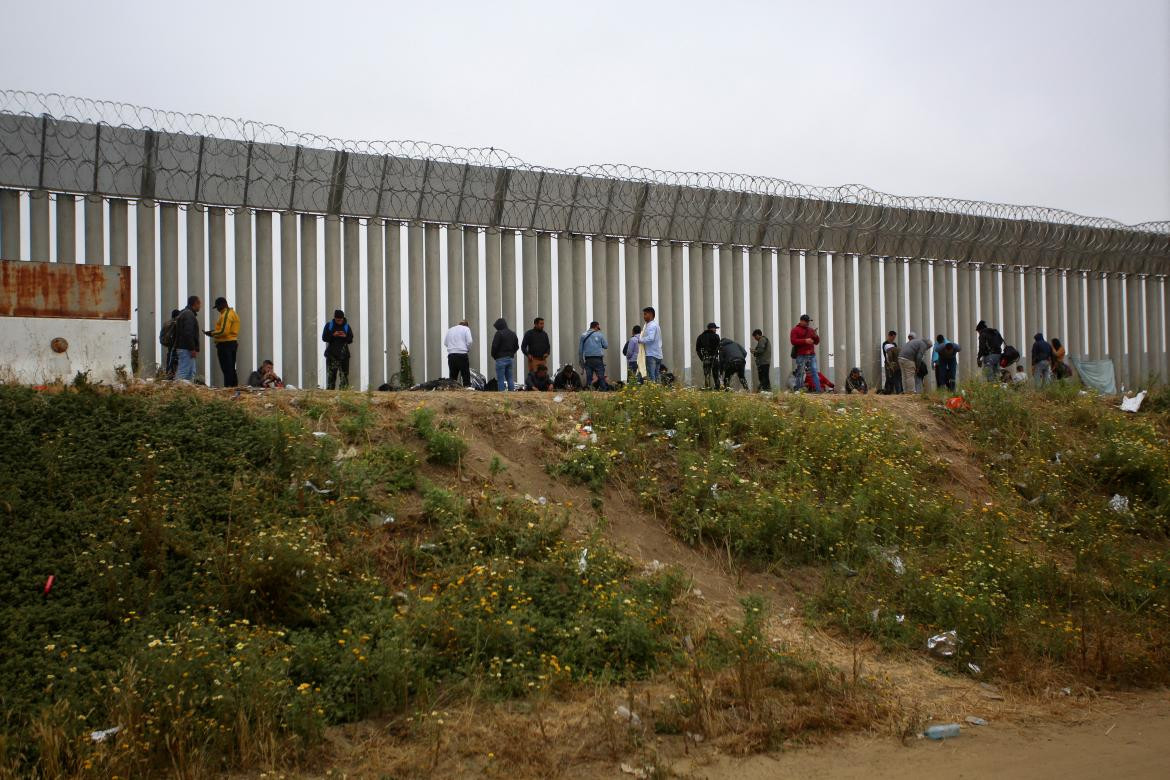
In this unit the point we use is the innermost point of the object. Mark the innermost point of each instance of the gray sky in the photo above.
(1063, 104)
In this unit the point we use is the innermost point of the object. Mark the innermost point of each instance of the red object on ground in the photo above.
(49, 583)
(957, 404)
(825, 383)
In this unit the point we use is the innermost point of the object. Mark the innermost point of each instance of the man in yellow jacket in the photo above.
(226, 337)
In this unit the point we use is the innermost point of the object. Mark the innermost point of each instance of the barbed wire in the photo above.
(73, 144)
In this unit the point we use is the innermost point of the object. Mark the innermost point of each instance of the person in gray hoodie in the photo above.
(504, 347)
(734, 358)
(591, 349)
(912, 361)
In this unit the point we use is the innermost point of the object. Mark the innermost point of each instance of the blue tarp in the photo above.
(1097, 374)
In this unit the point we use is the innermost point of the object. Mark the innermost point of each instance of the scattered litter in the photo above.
(542, 500)
(669, 433)
(899, 619)
(1066, 691)
(714, 488)
(1056, 458)
(583, 562)
(974, 668)
(268, 406)
(399, 597)
(320, 434)
(848, 572)
(943, 731)
(290, 387)
(873, 616)
(623, 713)
(653, 567)
(695, 737)
(346, 454)
(636, 771)
(1110, 729)
(890, 555)
(428, 547)
(957, 404)
(49, 583)
(1003, 456)
(974, 721)
(990, 692)
(388, 520)
(729, 446)
(1119, 503)
(103, 734)
(580, 446)
(1133, 403)
(943, 645)
(698, 593)
(689, 643)
(317, 490)
(558, 398)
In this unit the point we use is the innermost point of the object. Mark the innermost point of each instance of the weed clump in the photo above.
(444, 446)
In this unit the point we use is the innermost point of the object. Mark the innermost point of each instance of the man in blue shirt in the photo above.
(651, 336)
(591, 350)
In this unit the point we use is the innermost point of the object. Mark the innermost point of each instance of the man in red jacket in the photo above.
(804, 338)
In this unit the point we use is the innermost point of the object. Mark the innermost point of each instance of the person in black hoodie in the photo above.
(1041, 360)
(504, 346)
(707, 345)
(337, 336)
(734, 358)
(536, 346)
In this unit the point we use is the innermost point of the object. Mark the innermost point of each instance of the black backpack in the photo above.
(1010, 355)
(166, 336)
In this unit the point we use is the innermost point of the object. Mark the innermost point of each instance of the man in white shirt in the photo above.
(651, 337)
(458, 342)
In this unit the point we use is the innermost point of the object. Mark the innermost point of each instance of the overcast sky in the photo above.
(1063, 104)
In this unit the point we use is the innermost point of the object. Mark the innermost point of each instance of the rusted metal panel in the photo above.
(82, 292)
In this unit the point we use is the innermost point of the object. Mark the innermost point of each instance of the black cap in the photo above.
(805, 318)
(712, 326)
(221, 301)
(338, 314)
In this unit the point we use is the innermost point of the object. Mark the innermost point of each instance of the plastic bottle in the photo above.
(942, 731)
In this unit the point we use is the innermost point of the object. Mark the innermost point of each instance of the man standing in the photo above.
(1041, 361)
(990, 350)
(651, 337)
(536, 345)
(804, 338)
(893, 372)
(187, 339)
(762, 356)
(630, 350)
(337, 336)
(707, 346)
(166, 337)
(591, 350)
(946, 363)
(226, 337)
(458, 344)
(912, 360)
(503, 351)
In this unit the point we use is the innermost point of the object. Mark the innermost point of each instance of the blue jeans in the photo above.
(595, 367)
(807, 364)
(652, 364)
(504, 373)
(186, 366)
(632, 372)
(991, 367)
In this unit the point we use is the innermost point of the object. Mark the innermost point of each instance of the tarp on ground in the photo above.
(1097, 374)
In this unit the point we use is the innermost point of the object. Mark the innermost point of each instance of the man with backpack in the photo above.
(630, 350)
(893, 373)
(946, 363)
(707, 347)
(990, 350)
(166, 337)
(337, 336)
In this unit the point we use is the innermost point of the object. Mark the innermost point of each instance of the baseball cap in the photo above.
(712, 326)
(805, 318)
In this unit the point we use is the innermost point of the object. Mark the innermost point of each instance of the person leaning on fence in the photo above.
(912, 361)
(166, 337)
(457, 342)
(337, 335)
(591, 349)
(187, 339)
(707, 347)
(630, 350)
(651, 338)
(804, 339)
(990, 350)
(762, 357)
(536, 345)
(503, 351)
(226, 336)
(1041, 360)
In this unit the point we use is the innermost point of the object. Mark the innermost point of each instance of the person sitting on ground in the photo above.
(539, 379)
(567, 379)
(1019, 377)
(265, 376)
(733, 357)
(855, 382)
(630, 350)
(826, 385)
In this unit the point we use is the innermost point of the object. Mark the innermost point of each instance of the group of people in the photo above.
(180, 337)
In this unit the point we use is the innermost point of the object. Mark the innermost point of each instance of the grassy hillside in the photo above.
(230, 582)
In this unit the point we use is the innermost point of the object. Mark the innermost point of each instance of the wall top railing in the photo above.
(76, 145)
